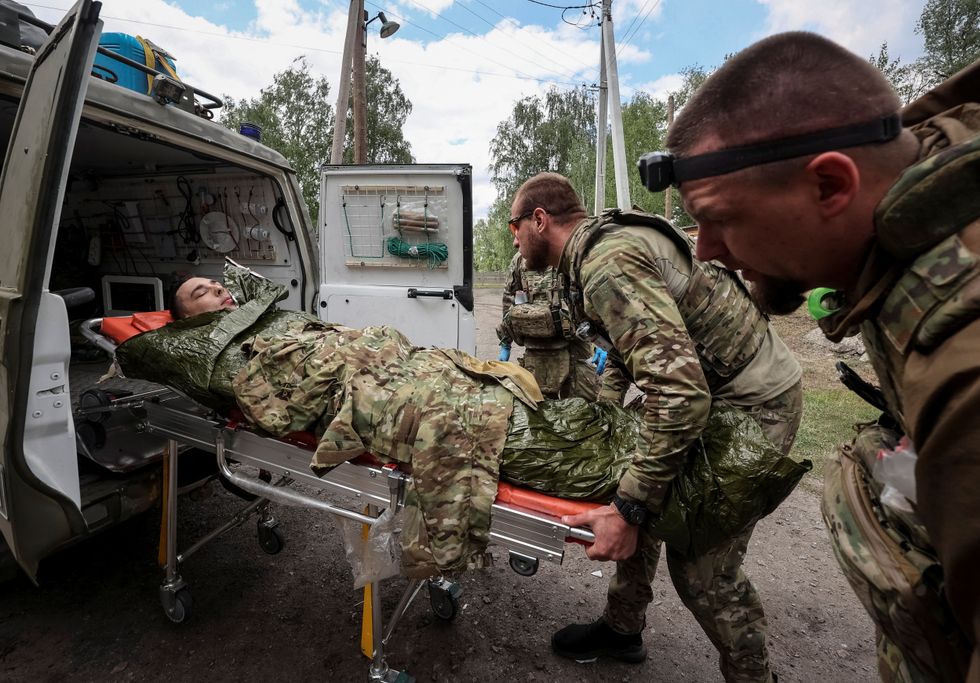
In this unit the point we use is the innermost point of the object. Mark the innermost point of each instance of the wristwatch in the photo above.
(634, 513)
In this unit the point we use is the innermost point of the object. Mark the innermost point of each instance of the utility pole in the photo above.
(343, 90)
(360, 89)
(615, 107)
(668, 194)
(602, 117)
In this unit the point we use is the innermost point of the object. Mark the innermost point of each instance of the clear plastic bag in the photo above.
(894, 469)
(376, 555)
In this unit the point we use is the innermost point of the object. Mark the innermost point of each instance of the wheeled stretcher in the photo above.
(525, 523)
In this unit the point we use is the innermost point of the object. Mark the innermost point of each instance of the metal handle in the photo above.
(415, 292)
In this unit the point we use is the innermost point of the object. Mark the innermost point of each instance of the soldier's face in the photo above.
(767, 235)
(201, 295)
(533, 247)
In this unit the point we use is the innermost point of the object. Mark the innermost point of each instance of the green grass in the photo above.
(829, 416)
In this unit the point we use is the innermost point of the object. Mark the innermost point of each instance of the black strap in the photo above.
(736, 158)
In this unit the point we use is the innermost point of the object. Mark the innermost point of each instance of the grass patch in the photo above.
(828, 419)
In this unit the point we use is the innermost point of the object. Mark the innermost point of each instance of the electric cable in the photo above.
(310, 48)
(530, 47)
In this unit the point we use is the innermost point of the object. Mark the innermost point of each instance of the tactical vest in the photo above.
(722, 320)
(939, 292)
(894, 571)
(540, 318)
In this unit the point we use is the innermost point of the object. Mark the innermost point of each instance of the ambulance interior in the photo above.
(137, 214)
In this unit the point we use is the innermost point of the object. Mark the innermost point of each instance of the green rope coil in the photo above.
(434, 252)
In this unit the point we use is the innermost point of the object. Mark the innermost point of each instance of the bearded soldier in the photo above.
(534, 317)
(685, 333)
(801, 171)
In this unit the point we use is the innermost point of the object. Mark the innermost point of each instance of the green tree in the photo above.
(951, 33)
(553, 133)
(297, 121)
(387, 110)
(907, 79)
(493, 243)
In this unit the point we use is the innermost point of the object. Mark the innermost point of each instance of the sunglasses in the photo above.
(512, 223)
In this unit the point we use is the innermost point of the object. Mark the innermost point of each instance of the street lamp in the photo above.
(355, 46)
(388, 28)
(360, 84)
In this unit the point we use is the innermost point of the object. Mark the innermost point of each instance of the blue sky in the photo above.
(464, 62)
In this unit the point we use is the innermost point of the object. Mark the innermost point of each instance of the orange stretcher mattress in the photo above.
(122, 328)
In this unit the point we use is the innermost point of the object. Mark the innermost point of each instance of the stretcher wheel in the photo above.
(523, 565)
(179, 608)
(444, 598)
(270, 538)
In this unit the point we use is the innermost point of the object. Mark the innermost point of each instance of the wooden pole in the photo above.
(343, 89)
(360, 90)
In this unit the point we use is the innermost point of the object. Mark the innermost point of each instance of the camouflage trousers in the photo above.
(712, 586)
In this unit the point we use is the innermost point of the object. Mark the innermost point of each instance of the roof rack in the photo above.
(190, 104)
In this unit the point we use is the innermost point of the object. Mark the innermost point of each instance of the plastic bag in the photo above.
(895, 470)
(376, 555)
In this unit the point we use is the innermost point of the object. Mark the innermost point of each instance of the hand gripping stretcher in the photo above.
(525, 523)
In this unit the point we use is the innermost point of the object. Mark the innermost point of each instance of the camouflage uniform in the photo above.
(917, 303)
(557, 359)
(371, 390)
(683, 331)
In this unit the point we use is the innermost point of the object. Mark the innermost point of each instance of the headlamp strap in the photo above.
(736, 158)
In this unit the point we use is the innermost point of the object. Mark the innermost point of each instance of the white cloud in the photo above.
(858, 25)
(660, 88)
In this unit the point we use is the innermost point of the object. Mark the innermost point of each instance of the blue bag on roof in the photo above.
(139, 50)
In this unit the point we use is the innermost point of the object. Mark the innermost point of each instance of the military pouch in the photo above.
(899, 584)
(533, 321)
(550, 367)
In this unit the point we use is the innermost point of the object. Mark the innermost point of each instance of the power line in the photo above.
(629, 37)
(463, 28)
(308, 48)
(512, 21)
(567, 74)
(563, 7)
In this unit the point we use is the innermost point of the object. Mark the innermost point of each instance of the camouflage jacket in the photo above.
(440, 412)
(679, 329)
(917, 304)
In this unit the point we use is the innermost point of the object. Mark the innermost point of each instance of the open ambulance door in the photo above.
(40, 506)
(396, 248)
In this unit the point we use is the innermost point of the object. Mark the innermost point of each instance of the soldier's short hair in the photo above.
(552, 192)
(174, 303)
(787, 84)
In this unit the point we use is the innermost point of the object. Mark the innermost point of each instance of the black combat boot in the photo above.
(588, 642)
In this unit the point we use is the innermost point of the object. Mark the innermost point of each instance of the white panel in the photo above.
(49, 431)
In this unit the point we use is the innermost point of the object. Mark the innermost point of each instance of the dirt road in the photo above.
(294, 616)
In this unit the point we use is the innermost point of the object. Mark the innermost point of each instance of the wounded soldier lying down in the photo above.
(458, 422)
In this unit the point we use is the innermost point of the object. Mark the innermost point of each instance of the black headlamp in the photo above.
(659, 170)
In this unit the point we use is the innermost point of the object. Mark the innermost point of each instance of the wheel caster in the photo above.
(177, 605)
(270, 537)
(444, 598)
(524, 565)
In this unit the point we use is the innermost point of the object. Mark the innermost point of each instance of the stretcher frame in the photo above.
(528, 536)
